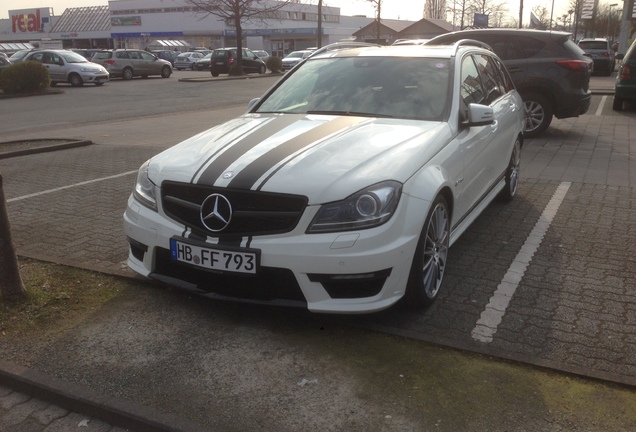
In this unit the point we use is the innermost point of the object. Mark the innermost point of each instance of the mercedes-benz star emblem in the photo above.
(216, 212)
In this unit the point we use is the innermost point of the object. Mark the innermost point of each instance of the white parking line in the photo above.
(69, 186)
(493, 313)
(601, 104)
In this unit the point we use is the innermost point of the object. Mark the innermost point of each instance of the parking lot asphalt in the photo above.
(574, 267)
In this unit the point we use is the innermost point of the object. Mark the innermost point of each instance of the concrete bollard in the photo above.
(11, 287)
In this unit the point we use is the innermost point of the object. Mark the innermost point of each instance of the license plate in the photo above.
(235, 261)
(220, 63)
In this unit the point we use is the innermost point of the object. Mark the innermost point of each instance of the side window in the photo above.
(55, 59)
(147, 56)
(134, 55)
(122, 54)
(505, 76)
(490, 77)
(500, 45)
(39, 57)
(248, 54)
(526, 47)
(471, 89)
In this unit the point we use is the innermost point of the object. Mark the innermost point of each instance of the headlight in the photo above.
(368, 208)
(145, 190)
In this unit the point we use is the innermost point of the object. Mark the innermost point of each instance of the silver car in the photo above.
(127, 63)
(69, 67)
(295, 57)
(187, 60)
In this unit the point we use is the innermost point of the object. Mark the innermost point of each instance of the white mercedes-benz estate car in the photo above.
(339, 190)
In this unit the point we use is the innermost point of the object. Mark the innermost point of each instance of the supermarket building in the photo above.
(175, 25)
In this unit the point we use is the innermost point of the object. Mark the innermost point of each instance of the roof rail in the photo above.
(343, 45)
(471, 42)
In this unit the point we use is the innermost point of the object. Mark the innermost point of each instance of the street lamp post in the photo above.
(609, 18)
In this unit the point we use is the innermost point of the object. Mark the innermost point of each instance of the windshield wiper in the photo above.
(350, 113)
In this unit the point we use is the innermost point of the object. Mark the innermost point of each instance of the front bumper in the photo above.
(350, 272)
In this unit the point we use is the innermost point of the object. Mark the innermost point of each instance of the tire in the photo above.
(215, 74)
(194, 66)
(99, 84)
(512, 174)
(617, 104)
(75, 80)
(53, 83)
(537, 114)
(178, 69)
(429, 261)
(127, 74)
(262, 69)
(166, 71)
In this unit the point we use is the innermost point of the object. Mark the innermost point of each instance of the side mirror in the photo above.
(252, 103)
(480, 115)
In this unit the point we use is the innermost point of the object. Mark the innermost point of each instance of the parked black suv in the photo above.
(223, 58)
(601, 53)
(550, 71)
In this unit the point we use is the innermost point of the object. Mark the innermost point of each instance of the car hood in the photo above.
(88, 66)
(324, 158)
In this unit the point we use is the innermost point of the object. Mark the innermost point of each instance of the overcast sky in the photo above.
(402, 9)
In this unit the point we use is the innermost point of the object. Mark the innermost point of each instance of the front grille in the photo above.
(270, 285)
(254, 213)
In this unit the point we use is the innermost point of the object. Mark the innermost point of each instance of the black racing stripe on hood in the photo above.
(251, 173)
(239, 148)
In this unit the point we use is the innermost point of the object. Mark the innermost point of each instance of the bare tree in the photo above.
(435, 9)
(543, 15)
(494, 10)
(238, 12)
(463, 9)
(377, 5)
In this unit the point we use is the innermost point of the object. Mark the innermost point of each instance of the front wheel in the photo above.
(166, 71)
(537, 114)
(262, 69)
(75, 80)
(215, 74)
(512, 174)
(429, 261)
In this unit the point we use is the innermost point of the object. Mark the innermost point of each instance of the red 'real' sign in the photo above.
(26, 23)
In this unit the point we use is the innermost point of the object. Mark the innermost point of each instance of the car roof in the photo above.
(423, 51)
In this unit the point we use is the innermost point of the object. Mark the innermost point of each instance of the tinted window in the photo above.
(598, 45)
(471, 88)
(490, 77)
(102, 55)
(526, 47)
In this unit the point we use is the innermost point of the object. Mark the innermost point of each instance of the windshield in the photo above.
(72, 57)
(19, 54)
(295, 54)
(410, 88)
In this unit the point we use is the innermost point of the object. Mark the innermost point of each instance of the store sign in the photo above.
(29, 20)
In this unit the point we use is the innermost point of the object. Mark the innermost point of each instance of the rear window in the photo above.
(597, 45)
(221, 54)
